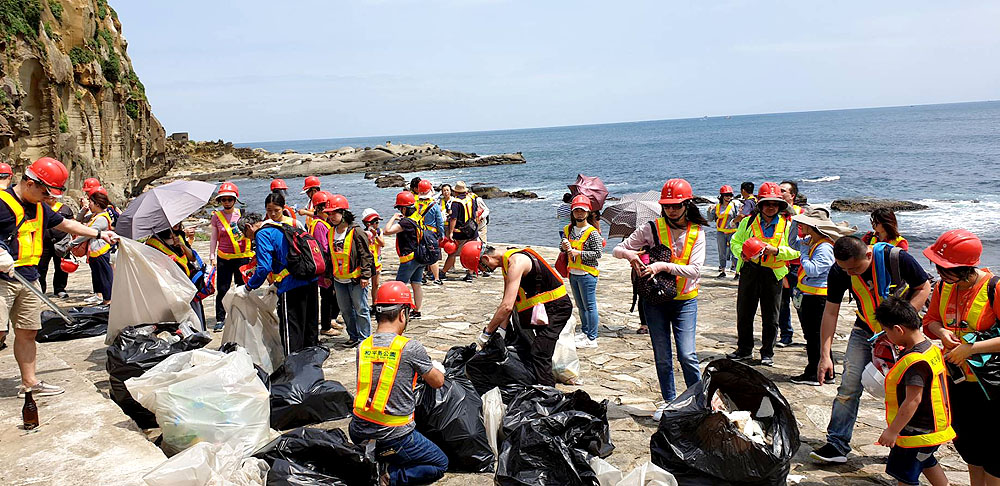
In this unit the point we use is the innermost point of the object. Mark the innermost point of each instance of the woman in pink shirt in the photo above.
(227, 247)
(328, 308)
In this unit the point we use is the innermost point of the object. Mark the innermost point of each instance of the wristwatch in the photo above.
(98, 235)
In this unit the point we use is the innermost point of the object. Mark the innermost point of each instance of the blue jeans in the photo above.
(410, 272)
(845, 405)
(585, 295)
(353, 302)
(412, 459)
(722, 245)
(681, 316)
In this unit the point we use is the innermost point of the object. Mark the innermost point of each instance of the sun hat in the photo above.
(819, 218)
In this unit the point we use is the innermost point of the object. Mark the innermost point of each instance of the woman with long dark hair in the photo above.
(885, 229)
(584, 246)
(98, 256)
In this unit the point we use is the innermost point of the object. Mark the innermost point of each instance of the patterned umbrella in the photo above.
(631, 212)
(592, 187)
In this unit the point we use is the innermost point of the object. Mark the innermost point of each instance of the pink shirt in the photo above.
(219, 240)
(321, 232)
(643, 236)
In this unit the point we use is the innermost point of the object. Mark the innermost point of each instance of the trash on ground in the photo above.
(497, 365)
(87, 322)
(301, 396)
(647, 474)
(450, 417)
(493, 412)
(542, 401)
(565, 362)
(307, 457)
(207, 464)
(252, 322)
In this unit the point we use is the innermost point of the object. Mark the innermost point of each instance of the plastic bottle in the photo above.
(29, 413)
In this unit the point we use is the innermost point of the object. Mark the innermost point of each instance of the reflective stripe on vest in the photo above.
(420, 236)
(29, 233)
(894, 242)
(685, 254)
(371, 406)
(376, 251)
(940, 405)
(869, 299)
(106, 248)
(342, 259)
(57, 206)
(771, 261)
(809, 289)
(239, 250)
(973, 318)
(467, 204)
(181, 260)
(577, 262)
(424, 205)
(524, 302)
(722, 219)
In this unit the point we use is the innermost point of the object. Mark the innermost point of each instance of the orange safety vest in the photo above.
(106, 247)
(940, 404)
(241, 245)
(29, 232)
(869, 299)
(722, 219)
(291, 213)
(524, 302)
(342, 259)
(809, 289)
(370, 404)
(577, 262)
(181, 259)
(682, 257)
(771, 261)
(972, 319)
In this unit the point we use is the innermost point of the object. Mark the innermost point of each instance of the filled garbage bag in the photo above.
(252, 322)
(137, 349)
(701, 446)
(301, 396)
(205, 396)
(540, 452)
(87, 322)
(451, 417)
(497, 365)
(543, 401)
(306, 457)
(565, 361)
(207, 464)
(457, 356)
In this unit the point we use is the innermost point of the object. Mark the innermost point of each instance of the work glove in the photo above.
(6, 262)
(242, 292)
(483, 339)
(437, 365)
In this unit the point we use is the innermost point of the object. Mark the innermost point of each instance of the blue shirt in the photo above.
(817, 267)
(272, 257)
(433, 219)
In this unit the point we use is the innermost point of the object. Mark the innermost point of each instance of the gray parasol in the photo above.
(160, 208)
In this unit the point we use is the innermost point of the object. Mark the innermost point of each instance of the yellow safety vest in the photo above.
(972, 320)
(29, 232)
(416, 217)
(577, 262)
(423, 205)
(371, 406)
(524, 302)
(796, 209)
(776, 240)
(342, 259)
(57, 206)
(376, 251)
(277, 277)
(682, 257)
(181, 259)
(106, 247)
(894, 242)
(722, 219)
(809, 289)
(467, 204)
(869, 299)
(940, 404)
(241, 245)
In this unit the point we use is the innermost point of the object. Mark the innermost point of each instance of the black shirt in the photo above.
(8, 227)
(406, 240)
(838, 282)
(918, 374)
(464, 230)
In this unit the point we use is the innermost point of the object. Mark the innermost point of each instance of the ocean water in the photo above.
(944, 156)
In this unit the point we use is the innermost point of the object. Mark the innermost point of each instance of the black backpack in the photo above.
(305, 255)
(427, 251)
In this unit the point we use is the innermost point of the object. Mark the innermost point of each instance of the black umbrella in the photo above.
(631, 212)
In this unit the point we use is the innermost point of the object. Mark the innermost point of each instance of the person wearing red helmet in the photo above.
(678, 228)
(462, 225)
(319, 226)
(51, 237)
(433, 220)
(534, 300)
(870, 274)
(964, 307)
(6, 176)
(310, 187)
(23, 219)
(98, 256)
(372, 224)
(385, 402)
(583, 245)
(761, 277)
(288, 214)
(352, 264)
(724, 214)
(228, 249)
(406, 225)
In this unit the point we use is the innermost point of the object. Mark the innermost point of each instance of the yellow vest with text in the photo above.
(940, 404)
(29, 232)
(682, 257)
(577, 244)
(241, 245)
(373, 395)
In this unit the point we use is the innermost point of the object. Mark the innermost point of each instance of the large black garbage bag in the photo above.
(87, 322)
(451, 417)
(497, 365)
(702, 447)
(306, 456)
(540, 452)
(540, 401)
(301, 396)
(137, 349)
(457, 356)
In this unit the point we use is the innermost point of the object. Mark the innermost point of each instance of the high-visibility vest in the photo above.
(809, 289)
(417, 218)
(577, 262)
(277, 277)
(894, 242)
(342, 259)
(445, 208)
(970, 319)
(796, 209)
(241, 245)
(57, 206)
(424, 205)
(776, 240)
(105, 247)
(291, 214)
(722, 219)
(376, 250)
(370, 404)
(679, 257)
(181, 259)
(524, 301)
(29, 232)
(467, 203)
(870, 298)
(940, 404)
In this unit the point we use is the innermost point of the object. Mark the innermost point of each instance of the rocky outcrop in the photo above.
(391, 180)
(68, 90)
(866, 205)
(493, 192)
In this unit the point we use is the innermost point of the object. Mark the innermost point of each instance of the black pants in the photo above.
(101, 274)
(811, 318)
(60, 277)
(298, 318)
(757, 286)
(329, 309)
(535, 345)
(227, 272)
(976, 428)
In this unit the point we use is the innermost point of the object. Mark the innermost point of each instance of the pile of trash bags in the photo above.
(301, 396)
(496, 365)
(451, 417)
(307, 457)
(87, 322)
(252, 322)
(137, 349)
(703, 440)
(208, 464)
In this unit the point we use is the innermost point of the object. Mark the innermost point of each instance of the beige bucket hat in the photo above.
(819, 218)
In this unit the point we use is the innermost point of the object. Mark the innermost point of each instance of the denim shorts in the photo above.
(410, 272)
(906, 463)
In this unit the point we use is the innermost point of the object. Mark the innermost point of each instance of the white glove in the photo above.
(483, 339)
(437, 365)
(242, 292)
(6, 262)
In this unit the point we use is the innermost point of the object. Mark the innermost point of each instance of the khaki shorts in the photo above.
(21, 306)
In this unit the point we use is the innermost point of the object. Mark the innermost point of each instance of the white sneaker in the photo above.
(658, 414)
(586, 343)
(580, 336)
(41, 389)
(93, 299)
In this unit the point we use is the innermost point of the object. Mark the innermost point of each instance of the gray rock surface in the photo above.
(866, 205)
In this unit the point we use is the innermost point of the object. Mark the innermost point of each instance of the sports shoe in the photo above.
(93, 299)
(804, 379)
(352, 343)
(218, 326)
(41, 389)
(767, 361)
(658, 414)
(830, 380)
(736, 356)
(438, 282)
(721, 274)
(586, 343)
(828, 454)
(62, 295)
(736, 277)
(468, 277)
(783, 343)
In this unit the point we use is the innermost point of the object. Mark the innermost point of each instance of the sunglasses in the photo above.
(672, 206)
(227, 199)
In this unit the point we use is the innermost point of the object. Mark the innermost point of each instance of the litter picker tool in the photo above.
(35, 290)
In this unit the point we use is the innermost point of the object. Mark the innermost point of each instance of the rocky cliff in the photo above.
(68, 90)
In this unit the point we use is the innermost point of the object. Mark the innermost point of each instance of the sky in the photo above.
(254, 70)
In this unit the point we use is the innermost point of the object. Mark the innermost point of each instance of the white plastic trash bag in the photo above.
(493, 412)
(206, 464)
(252, 322)
(148, 288)
(206, 396)
(565, 362)
(607, 475)
(647, 474)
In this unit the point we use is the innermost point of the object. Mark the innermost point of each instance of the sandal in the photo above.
(642, 330)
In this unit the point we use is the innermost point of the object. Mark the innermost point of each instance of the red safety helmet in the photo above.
(955, 248)
(321, 197)
(424, 186)
(369, 214)
(676, 191)
(229, 189)
(770, 191)
(580, 201)
(278, 184)
(50, 173)
(67, 265)
(311, 182)
(726, 189)
(405, 198)
(471, 253)
(5, 169)
(98, 190)
(752, 248)
(89, 184)
(336, 202)
(394, 292)
(448, 245)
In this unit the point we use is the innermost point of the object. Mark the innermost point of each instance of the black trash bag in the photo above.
(300, 395)
(261, 374)
(137, 349)
(451, 417)
(457, 356)
(543, 401)
(87, 322)
(316, 457)
(540, 452)
(702, 447)
(497, 365)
